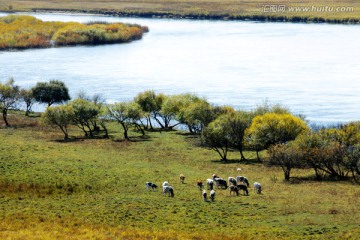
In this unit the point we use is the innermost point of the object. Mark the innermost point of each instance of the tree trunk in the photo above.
(149, 120)
(125, 131)
(257, 155)
(287, 174)
(190, 129)
(28, 108)
(106, 131)
(64, 130)
(138, 126)
(158, 121)
(5, 117)
(242, 157)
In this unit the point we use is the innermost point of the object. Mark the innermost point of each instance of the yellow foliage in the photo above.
(17, 31)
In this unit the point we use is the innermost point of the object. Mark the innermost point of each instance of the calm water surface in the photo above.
(313, 69)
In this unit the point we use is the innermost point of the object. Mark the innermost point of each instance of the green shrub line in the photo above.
(332, 152)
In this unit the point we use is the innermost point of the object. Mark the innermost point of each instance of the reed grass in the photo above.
(20, 32)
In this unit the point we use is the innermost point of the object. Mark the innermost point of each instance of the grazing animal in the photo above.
(204, 194)
(182, 178)
(234, 189)
(210, 184)
(214, 176)
(165, 184)
(219, 182)
(244, 188)
(232, 181)
(244, 180)
(257, 187)
(199, 184)
(212, 195)
(150, 185)
(168, 190)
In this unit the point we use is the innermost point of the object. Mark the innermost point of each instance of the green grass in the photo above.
(95, 189)
(213, 9)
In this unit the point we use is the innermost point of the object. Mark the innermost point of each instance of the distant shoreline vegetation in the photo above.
(208, 16)
(344, 18)
(22, 32)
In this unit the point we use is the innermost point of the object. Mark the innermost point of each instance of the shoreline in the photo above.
(198, 16)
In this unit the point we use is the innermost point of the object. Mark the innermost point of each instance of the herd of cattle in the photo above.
(235, 185)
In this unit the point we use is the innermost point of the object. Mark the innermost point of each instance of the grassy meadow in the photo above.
(233, 9)
(95, 189)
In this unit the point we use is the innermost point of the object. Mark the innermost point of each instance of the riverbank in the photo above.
(325, 11)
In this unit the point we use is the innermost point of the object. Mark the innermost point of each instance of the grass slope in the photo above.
(95, 189)
(254, 9)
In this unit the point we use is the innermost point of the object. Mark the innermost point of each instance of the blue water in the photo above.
(311, 68)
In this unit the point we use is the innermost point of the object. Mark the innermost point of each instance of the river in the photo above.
(311, 68)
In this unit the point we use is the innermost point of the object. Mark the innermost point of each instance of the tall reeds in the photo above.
(21, 32)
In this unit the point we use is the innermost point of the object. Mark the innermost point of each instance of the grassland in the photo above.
(95, 189)
(210, 9)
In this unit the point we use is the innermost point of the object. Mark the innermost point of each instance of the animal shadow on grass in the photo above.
(253, 161)
(188, 134)
(312, 178)
(144, 138)
(69, 140)
(80, 139)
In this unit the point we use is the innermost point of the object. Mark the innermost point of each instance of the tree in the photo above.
(267, 107)
(150, 104)
(325, 155)
(311, 144)
(169, 108)
(197, 115)
(125, 113)
(9, 96)
(217, 137)
(273, 128)
(85, 114)
(60, 116)
(351, 133)
(98, 102)
(28, 97)
(238, 122)
(286, 156)
(51, 92)
(353, 161)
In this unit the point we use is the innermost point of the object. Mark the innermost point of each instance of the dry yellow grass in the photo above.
(210, 8)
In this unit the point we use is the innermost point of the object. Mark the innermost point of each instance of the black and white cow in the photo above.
(244, 188)
(168, 190)
(150, 185)
(234, 189)
(210, 184)
(244, 180)
(219, 182)
(204, 194)
(212, 195)
(232, 181)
